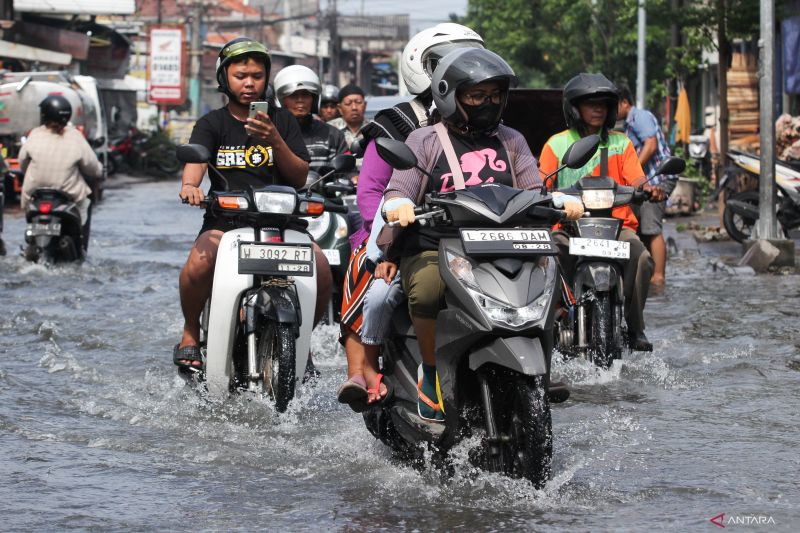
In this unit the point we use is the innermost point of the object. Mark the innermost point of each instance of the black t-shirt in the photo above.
(482, 160)
(243, 160)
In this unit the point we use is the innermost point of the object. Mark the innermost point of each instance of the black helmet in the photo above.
(236, 49)
(589, 86)
(55, 108)
(462, 68)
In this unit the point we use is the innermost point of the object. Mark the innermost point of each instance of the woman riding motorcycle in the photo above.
(367, 304)
(297, 89)
(57, 156)
(470, 90)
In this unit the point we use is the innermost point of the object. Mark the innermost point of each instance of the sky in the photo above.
(423, 12)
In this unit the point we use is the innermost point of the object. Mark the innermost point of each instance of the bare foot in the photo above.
(372, 378)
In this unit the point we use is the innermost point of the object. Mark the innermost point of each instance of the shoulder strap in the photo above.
(419, 110)
(450, 154)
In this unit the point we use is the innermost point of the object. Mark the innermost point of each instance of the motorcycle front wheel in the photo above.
(276, 363)
(603, 348)
(740, 228)
(531, 430)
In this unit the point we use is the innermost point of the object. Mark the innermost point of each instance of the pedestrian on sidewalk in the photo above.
(642, 128)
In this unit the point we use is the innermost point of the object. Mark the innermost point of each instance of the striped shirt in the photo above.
(640, 125)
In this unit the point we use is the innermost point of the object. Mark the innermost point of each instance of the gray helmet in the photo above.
(462, 68)
(330, 93)
(589, 86)
(296, 78)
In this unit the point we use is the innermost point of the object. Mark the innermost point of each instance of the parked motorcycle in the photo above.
(54, 232)
(741, 208)
(140, 152)
(331, 231)
(495, 338)
(256, 327)
(699, 154)
(594, 326)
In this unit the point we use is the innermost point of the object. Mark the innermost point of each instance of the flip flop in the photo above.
(184, 357)
(377, 390)
(353, 392)
(427, 401)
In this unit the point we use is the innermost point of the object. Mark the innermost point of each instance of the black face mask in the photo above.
(482, 117)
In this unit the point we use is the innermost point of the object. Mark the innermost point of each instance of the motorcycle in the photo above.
(593, 326)
(256, 327)
(494, 340)
(331, 231)
(741, 208)
(700, 155)
(141, 152)
(54, 232)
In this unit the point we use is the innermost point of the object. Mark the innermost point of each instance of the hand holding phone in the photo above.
(255, 107)
(260, 126)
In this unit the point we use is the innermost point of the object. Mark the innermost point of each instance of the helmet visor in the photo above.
(434, 54)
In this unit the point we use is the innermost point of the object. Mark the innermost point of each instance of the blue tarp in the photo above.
(791, 55)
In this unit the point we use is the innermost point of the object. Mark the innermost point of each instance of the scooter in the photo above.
(741, 208)
(700, 155)
(593, 326)
(54, 232)
(256, 327)
(331, 231)
(494, 340)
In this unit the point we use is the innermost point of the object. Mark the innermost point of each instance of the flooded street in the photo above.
(98, 432)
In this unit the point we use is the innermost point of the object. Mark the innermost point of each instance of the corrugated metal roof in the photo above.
(77, 7)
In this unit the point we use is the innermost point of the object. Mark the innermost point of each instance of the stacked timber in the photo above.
(743, 101)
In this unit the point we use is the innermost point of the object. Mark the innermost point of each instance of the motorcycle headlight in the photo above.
(275, 202)
(598, 199)
(318, 226)
(342, 230)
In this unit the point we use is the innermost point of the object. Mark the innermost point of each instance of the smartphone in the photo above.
(258, 106)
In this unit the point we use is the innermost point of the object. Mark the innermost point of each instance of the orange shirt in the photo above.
(623, 166)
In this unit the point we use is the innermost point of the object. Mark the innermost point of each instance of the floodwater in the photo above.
(97, 432)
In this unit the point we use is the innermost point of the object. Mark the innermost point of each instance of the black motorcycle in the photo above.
(54, 232)
(494, 340)
(594, 325)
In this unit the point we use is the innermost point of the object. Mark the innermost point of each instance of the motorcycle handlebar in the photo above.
(335, 208)
(548, 213)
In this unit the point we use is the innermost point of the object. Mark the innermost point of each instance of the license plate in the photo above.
(36, 230)
(333, 256)
(503, 242)
(269, 259)
(600, 248)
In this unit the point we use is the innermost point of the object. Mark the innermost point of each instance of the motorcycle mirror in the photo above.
(673, 165)
(396, 153)
(358, 147)
(192, 153)
(343, 163)
(581, 151)
(97, 143)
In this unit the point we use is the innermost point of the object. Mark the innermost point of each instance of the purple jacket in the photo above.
(372, 181)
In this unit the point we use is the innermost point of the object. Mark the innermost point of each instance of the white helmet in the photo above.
(296, 78)
(425, 49)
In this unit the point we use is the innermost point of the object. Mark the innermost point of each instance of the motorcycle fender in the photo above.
(279, 305)
(600, 276)
(520, 354)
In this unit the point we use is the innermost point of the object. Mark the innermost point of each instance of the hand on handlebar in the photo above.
(574, 210)
(404, 213)
(191, 194)
(655, 192)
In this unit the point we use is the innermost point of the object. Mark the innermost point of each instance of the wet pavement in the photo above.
(97, 432)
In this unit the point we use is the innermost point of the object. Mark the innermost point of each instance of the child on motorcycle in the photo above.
(57, 156)
(590, 107)
(470, 89)
(367, 305)
(266, 149)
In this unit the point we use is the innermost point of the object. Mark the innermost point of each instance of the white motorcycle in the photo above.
(256, 327)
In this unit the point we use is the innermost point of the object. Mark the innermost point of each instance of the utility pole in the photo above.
(641, 64)
(334, 44)
(722, 73)
(194, 69)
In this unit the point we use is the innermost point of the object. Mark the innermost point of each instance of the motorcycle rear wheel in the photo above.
(276, 363)
(531, 430)
(738, 227)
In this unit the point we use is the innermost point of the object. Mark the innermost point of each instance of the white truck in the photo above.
(20, 95)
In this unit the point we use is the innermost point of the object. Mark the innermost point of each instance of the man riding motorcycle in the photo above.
(247, 151)
(57, 156)
(297, 89)
(470, 89)
(329, 103)
(367, 304)
(590, 107)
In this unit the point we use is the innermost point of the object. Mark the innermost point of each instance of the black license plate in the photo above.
(508, 241)
(269, 259)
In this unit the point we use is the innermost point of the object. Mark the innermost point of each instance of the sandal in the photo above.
(184, 357)
(422, 399)
(354, 393)
(377, 391)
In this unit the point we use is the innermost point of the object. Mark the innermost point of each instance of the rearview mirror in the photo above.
(358, 147)
(193, 153)
(343, 163)
(673, 165)
(581, 151)
(97, 143)
(396, 153)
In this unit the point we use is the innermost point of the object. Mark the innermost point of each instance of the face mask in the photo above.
(482, 117)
